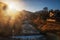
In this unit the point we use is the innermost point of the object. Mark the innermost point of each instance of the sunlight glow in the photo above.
(13, 7)
(14, 4)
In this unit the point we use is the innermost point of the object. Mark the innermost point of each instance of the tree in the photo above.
(45, 8)
(57, 15)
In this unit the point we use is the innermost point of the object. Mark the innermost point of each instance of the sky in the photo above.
(34, 5)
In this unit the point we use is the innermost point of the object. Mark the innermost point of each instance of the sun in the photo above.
(13, 7)
(12, 10)
(8, 10)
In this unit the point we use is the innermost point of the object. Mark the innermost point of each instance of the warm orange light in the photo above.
(14, 4)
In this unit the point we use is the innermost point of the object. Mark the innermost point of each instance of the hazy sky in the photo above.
(35, 5)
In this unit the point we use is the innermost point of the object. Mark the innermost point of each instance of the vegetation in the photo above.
(38, 19)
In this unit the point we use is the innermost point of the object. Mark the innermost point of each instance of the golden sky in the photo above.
(14, 4)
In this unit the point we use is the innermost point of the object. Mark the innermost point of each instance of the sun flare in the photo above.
(8, 10)
(13, 8)
(16, 5)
